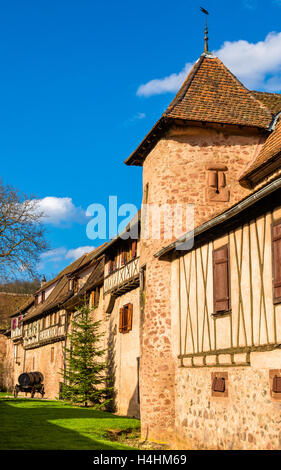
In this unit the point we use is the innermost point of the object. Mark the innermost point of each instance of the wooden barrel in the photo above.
(29, 379)
(38, 378)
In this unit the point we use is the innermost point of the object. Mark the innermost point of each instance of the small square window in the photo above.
(275, 384)
(219, 384)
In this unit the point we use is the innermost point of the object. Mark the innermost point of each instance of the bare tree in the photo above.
(21, 234)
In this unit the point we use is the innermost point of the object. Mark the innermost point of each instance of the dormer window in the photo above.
(217, 190)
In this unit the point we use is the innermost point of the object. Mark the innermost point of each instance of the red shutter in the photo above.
(121, 315)
(93, 295)
(276, 260)
(129, 317)
(221, 279)
(134, 249)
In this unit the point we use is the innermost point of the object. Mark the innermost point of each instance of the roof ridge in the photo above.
(185, 86)
(265, 92)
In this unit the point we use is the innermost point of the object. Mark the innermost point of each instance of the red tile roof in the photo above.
(211, 93)
(271, 100)
(267, 159)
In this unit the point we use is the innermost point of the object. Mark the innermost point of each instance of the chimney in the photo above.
(43, 281)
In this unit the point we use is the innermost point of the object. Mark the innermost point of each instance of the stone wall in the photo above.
(247, 419)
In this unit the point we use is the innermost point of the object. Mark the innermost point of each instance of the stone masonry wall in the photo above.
(176, 173)
(247, 419)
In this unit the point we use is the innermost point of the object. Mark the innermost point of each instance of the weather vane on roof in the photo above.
(206, 13)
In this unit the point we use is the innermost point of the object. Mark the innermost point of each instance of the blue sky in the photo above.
(82, 82)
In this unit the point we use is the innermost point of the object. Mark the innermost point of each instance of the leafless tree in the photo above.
(21, 234)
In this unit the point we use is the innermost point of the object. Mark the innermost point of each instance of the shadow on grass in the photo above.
(40, 424)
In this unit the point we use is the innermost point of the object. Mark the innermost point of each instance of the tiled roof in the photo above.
(95, 278)
(211, 93)
(61, 293)
(77, 264)
(271, 100)
(58, 295)
(267, 158)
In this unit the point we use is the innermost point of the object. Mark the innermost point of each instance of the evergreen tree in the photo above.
(85, 374)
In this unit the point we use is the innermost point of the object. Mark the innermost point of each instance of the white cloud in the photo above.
(77, 252)
(60, 210)
(53, 259)
(169, 84)
(257, 65)
(53, 255)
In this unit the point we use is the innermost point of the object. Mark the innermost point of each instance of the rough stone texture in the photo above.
(176, 173)
(248, 419)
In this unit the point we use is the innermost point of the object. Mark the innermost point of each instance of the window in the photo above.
(125, 318)
(129, 252)
(221, 282)
(43, 296)
(16, 350)
(275, 384)
(276, 262)
(95, 297)
(75, 285)
(36, 300)
(219, 384)
(61, 320)
(217, 189)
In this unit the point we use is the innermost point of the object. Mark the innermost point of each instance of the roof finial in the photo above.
(206, 47)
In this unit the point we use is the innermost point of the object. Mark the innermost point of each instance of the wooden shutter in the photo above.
(129, 317)
(110, 266)
(93, 294)
(221, 279)
(134, 249)
(121, 315)
(123, 257)
(276, 261)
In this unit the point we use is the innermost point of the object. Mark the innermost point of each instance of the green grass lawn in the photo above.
(47, 424)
